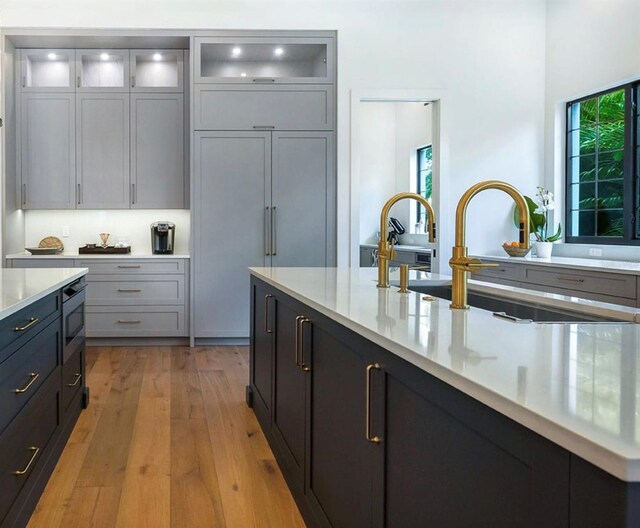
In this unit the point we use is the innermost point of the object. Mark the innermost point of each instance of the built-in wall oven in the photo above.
(73, 336)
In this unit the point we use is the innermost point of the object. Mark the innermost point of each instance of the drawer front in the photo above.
(139, 321)
(26, 370)
(624, 301)
(41, 263)
(615, 285)
(264, 108)
(504, 271)
(23, 325)
(24, 443)
(72, 374)
(108, 267)
(109, 290)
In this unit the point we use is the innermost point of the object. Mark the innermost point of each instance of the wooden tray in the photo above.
(99, 250)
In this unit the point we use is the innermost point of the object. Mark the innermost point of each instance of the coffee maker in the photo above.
(162, 238)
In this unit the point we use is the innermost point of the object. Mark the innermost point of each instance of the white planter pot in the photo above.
(543, 249)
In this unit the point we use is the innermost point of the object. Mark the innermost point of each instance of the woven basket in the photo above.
(515, 251)
(51, 242)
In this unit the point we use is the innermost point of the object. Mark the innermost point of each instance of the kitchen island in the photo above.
(384, 409)
(42, 380)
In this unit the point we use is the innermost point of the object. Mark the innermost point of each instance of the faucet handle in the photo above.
(477, 264)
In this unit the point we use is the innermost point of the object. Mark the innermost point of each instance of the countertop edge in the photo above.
(617, 465)
(63, 256)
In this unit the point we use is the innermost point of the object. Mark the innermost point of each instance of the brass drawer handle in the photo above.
(35, 451)
(129, 290)
(569, 279)
(33, 376)
(266, 313)
(367, 432)
(127, 266)
(129, 321)
(77, 380)
(30, 323)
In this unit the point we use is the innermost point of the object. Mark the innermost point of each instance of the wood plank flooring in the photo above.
(167, 442)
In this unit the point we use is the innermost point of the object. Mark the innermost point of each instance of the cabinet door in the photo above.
(102, 151)
(479, 468)
(47, 70)
(99, 70)
(303, 209)
(232, 175)
(47, 143)
(157, 70)
(157, 151)
(262, 334)
(341, 461)
(289, 389)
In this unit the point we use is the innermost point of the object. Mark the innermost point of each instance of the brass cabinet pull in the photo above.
(273, 231)
(267, 231)
(30, 323)
(33, 376)
(132, 321)
(367, 426)
(76, 381)
(297, 347)
(129, 290)
(35, 451)
(266, 313)
(122, 266)
(569, 279)
(303, 366)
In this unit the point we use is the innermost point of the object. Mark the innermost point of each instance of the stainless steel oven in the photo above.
(73, 334)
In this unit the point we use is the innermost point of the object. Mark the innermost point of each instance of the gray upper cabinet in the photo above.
(99, 70)
(157, 70)
(47, 150)
(157, 151)
(102, 151)
(302, 199)
(232, 179)
(47, 70)
(265, 60)
(264, 107)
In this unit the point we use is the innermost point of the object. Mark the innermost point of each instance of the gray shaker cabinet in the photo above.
(102, 151)
(47, 138)
(232, 182)
(157, 151)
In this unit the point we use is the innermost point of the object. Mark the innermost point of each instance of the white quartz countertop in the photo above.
(576, 384)
(78, 256)
(612, 266)
(21, 287)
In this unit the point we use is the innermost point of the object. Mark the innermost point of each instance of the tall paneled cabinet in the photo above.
(101, 129)
(264, 189)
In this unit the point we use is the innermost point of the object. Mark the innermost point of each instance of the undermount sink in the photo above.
(516, 311)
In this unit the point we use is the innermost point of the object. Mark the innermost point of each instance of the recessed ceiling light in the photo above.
(236, 51)
(104, 56)
(278, 51)
(52, 56)
(157, 57)
(243, 74)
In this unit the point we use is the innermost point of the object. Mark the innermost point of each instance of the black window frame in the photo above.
(419, 179)
(631, 200)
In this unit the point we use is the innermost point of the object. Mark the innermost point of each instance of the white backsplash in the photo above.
(84, 227)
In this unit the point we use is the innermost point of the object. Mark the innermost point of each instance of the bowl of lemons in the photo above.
(513, 249)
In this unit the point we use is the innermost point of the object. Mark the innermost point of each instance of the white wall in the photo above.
(488, 55)
(591, 45)
(85, 226)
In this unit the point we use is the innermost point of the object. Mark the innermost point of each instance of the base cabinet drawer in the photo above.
(615, 285)
(72, 374)
(97, 267)
(26, 370)
(504, 271)
(136, 290)
(24, 443)
(136, 321)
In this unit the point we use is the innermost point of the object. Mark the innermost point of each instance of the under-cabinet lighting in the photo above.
(278, 52)
(157, 57)
(104, 56)
(52, 56)
(236, 51)
(243, 74)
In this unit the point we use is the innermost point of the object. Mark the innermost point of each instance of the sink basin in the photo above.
(516, 311)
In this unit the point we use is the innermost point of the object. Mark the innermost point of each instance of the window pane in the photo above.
(611, 106)
(610, 194)
(583, 223)
(611, 135)
(587, 111)
(583, 196)
(611, 165)
(583, 141)
(583, 169)
(610, 223)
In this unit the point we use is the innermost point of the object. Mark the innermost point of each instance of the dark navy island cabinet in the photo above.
(365, 439)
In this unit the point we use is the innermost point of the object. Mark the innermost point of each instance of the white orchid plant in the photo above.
(539, 216)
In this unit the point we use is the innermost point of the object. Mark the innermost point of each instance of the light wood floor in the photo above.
(167, 441)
